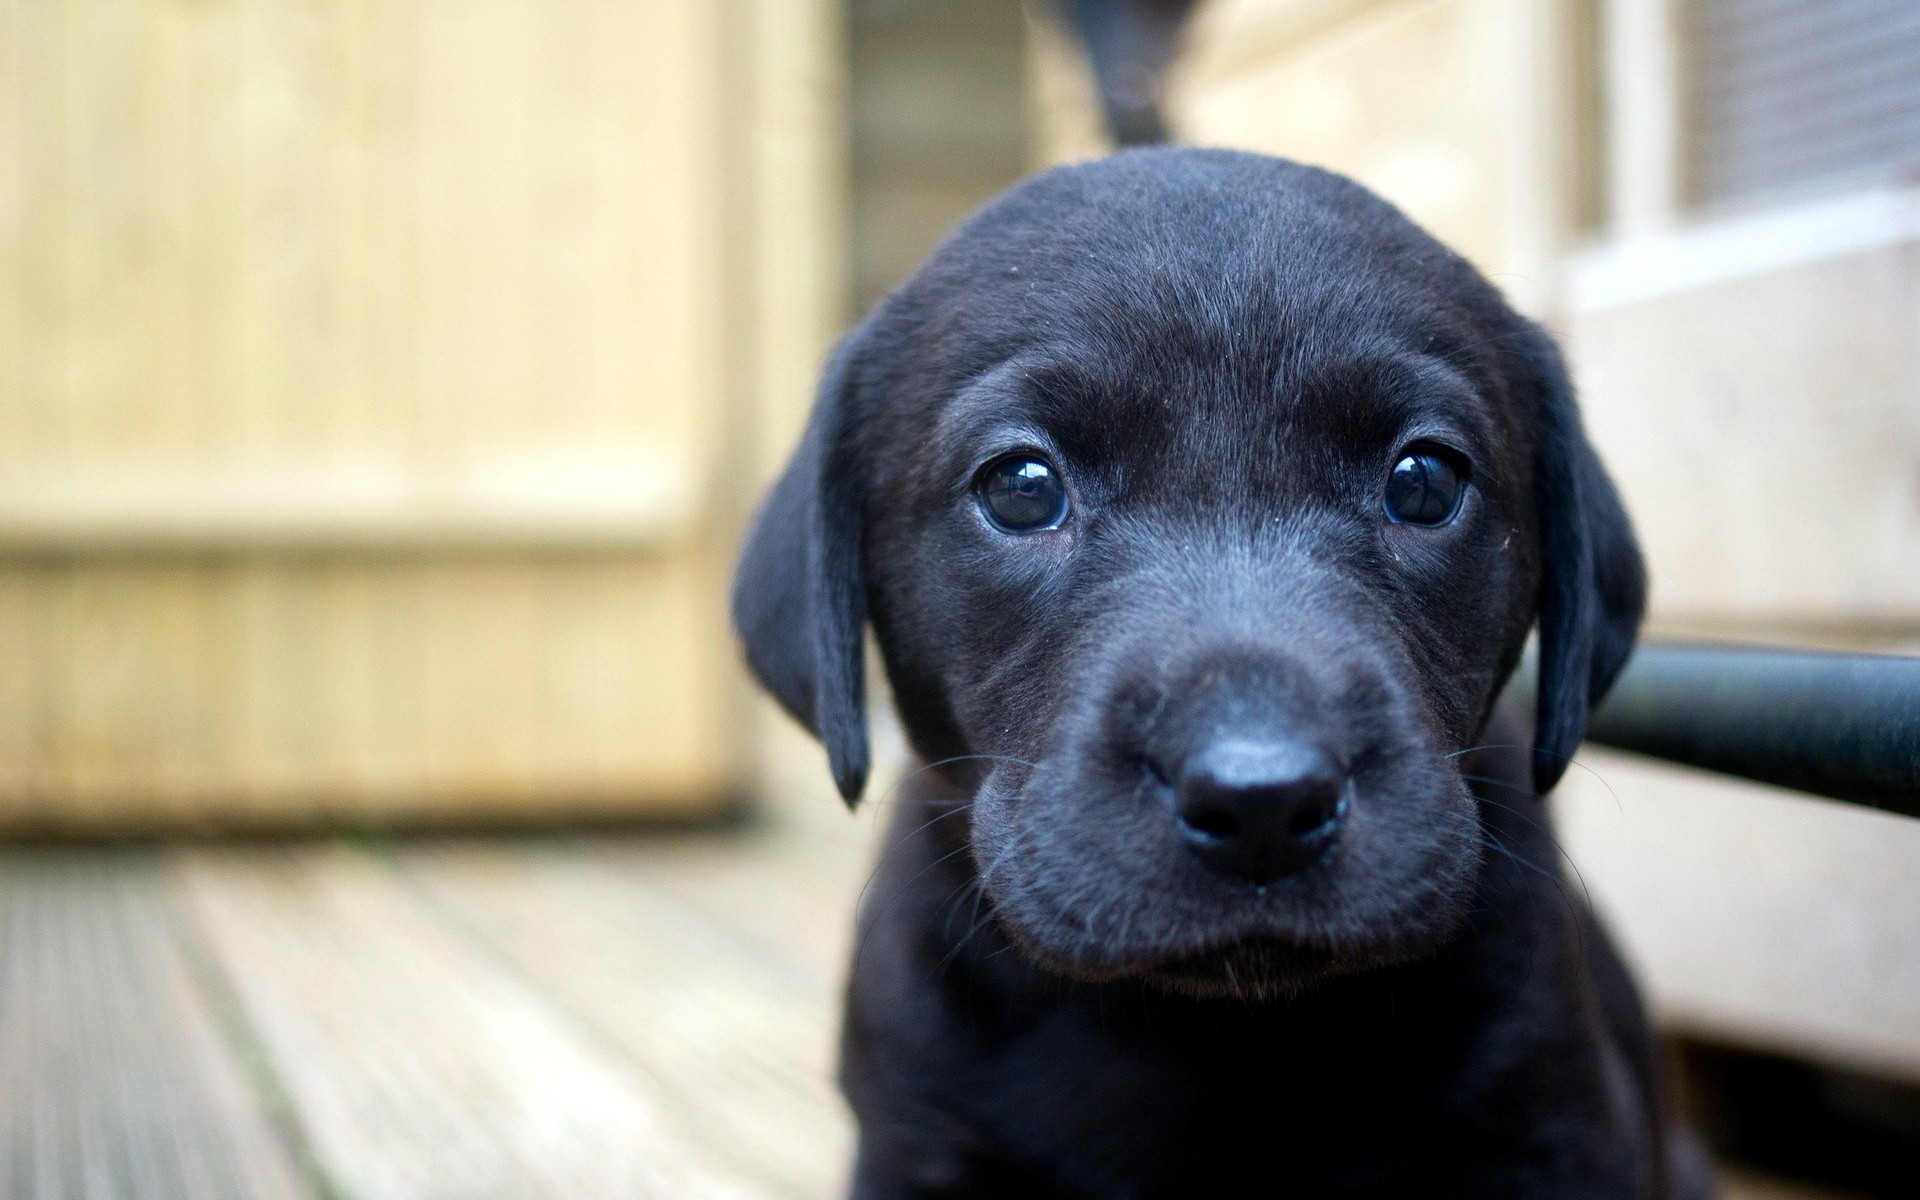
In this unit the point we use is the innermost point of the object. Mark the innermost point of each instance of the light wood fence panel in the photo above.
(368, 403)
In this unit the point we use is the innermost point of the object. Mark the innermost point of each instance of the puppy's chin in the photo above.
(1248, 970)
(1255, 970)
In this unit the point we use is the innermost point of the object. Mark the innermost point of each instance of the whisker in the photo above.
(892, 794)
(1570, 759)
(980, 921)
(1490, 839)
(1546, 830)
(947, 959)
(860, 944)
(860, 903)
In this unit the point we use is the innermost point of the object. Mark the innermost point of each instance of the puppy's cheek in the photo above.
(1017, 828)
(1055, 862)
(995, 838)
(1403, 876)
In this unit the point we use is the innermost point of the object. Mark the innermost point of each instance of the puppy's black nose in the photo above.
(1259, 809)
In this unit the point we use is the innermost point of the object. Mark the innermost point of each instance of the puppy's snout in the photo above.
(1259, 808)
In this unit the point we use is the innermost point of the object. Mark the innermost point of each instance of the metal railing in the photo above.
(1846, 726)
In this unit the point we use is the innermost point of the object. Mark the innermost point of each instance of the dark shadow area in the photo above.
(736, 815)
(1793, 1119)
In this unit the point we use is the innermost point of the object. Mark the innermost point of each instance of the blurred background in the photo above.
(384, 385)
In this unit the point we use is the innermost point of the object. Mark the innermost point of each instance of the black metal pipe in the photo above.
(1846, 726)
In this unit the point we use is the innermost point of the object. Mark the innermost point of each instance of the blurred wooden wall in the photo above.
(381, 385)
(938, 124)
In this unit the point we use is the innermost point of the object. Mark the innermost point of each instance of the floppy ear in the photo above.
(799, 591)
(1593, 585)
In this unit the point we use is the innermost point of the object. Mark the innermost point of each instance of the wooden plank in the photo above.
(26, 719)
(418, 1066)
(254, 693)
(118, 1081)
(1754, 365)
(631, 499)
(794, 259)
(732, 1013)
(14, 254)
(1756, 915)
(817, 872)
(131, 690)
(369, 441)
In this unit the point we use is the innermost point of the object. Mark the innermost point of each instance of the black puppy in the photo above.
(1201, 505)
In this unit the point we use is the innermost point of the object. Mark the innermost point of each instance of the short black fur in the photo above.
(1081, 973)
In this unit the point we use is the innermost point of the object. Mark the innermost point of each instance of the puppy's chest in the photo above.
(1144, 1117)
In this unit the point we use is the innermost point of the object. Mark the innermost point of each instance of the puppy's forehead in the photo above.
(1201, 271)
(1242, 359)
(1161, 243)
(1162, 305)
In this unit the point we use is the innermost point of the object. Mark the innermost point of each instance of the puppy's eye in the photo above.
(1023, 494)
(1425, 487)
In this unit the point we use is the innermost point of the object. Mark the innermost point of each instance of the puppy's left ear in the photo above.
(1593, 585)
(799, 591)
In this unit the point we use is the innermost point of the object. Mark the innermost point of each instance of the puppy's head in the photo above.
(1204, 503)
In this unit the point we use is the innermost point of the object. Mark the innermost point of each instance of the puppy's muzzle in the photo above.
(1251, 758)
(1258, 807)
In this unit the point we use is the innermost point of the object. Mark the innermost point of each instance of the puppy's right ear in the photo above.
(1593, 587)
(799, 592)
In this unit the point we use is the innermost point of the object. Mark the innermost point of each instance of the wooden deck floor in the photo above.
(451, 1019)
(632, 1016)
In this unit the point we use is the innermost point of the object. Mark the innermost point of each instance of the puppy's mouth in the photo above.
(1248, 965)
(1255, 969)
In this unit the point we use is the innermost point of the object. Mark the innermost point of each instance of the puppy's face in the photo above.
(1198, 518)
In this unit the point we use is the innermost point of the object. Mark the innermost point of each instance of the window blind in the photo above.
(1787, 95)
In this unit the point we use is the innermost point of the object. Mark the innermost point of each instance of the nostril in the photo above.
(1314, 816)
(1216, 823)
